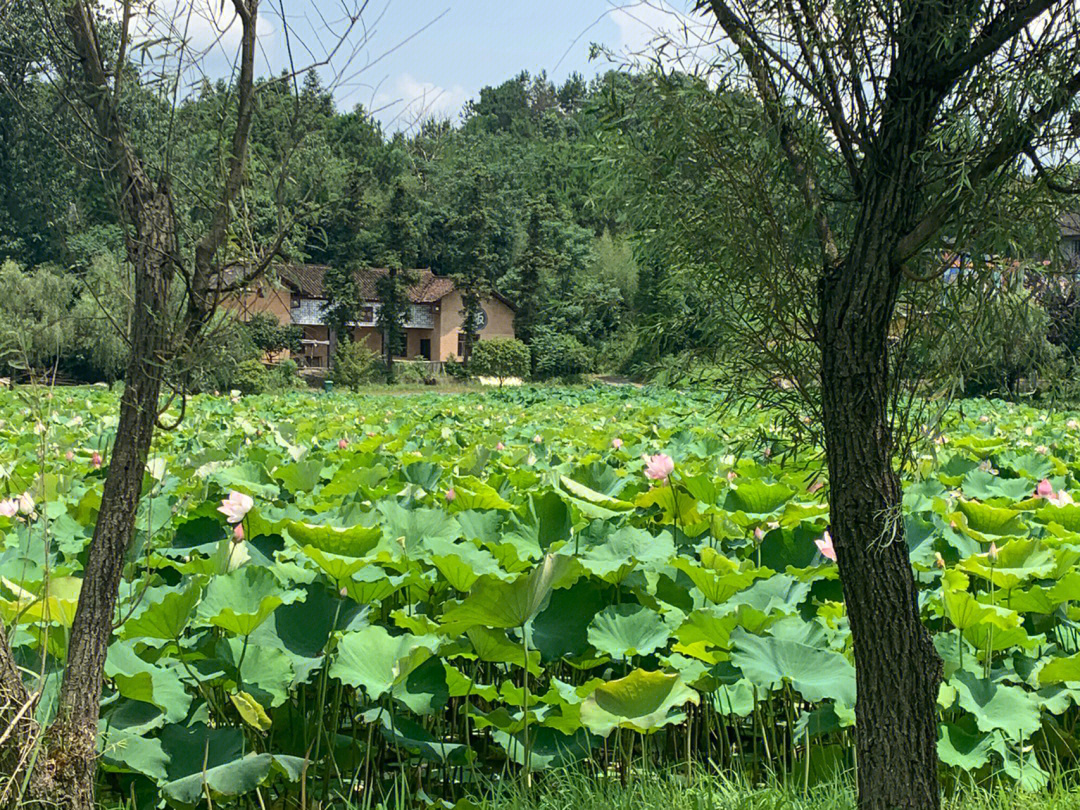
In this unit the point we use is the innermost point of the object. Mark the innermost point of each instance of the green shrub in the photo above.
(285, 375)
(559, 355)
(501, 358)
(270, 336)
(251, 377)
(454, 368)
(411, 372)
(355, 365)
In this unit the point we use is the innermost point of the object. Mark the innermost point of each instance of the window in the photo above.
(461, 343)
(367, 315)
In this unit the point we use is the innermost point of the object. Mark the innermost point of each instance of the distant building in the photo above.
(432, 329)
(1070, 239)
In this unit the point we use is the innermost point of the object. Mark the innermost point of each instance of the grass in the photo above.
(572, 791)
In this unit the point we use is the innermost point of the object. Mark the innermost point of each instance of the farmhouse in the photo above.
(433, 329)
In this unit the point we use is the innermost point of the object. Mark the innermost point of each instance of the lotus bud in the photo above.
(993, 552)
(238, 533)
(759, 535)
(939, 561)
(95, 460)
(26, 504)
(343, 592)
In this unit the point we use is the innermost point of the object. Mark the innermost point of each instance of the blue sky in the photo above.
(416, 57)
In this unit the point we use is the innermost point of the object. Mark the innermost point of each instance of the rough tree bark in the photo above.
(63, 758)
(881, 118)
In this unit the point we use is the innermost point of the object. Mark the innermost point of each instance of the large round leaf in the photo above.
(622, 631)
(642, 701)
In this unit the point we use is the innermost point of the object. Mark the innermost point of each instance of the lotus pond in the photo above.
(337, 598)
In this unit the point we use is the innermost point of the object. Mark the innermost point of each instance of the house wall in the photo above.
(448, 324)
(271, 301)
(373, 338)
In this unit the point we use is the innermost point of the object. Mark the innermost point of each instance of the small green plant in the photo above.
(355, 365)
(251, 377)
(559, 355)
(502, 358)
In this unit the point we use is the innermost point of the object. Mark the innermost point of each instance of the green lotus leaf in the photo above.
(997, 706)
(338, 567)
(492, 645)
(473, 494)
(462, 563)
(624, 550)
(414, 738)
(494, 603)
(641, 701)
(584, 493)
(165, 615)
(139, 680)
(994, 520)
(548, 747)
(962, 748)
(241, 600)
(1060, 670)
(756, 497)
(623, 631)
(815, 672)
(1018, 561)
(232, 778)
(352, 541)
(378, 661)
(984, 486)
(126, 751)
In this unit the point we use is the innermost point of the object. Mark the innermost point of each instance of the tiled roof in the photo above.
(307, 279)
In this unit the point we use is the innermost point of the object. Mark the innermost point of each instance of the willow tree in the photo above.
(905, 130)
(190, 244)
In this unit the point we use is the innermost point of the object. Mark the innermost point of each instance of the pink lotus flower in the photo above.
(759, 535)
(825, 546)
(95, 460)
(9, 508)
(342, 443)
(69, 455)
(658, 467)
(236, 506)
(500, 446)
(732, 475)
(538, 438)
(1046, 490)
(450, 495)
(238, 533)
(616, 443)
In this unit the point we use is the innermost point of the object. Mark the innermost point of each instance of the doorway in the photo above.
(425, 348)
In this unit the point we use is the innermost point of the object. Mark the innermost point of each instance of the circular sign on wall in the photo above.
(480, 320)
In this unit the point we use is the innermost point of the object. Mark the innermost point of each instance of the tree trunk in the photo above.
(897, 668)
(70, 759)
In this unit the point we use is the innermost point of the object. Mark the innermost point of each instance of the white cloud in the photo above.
(411, 100)
(644, 24)
(208, 30)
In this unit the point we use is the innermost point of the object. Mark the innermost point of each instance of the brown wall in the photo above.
(448, 324)
(276, 302)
